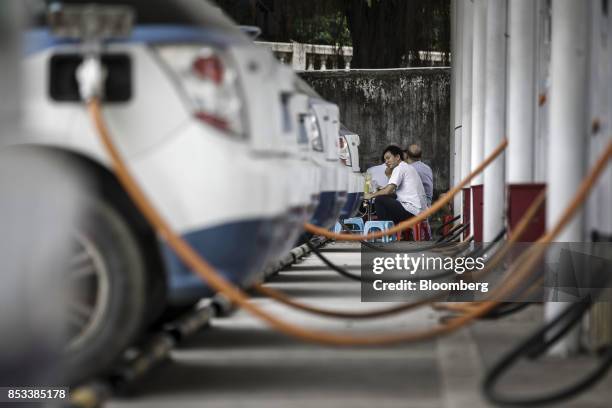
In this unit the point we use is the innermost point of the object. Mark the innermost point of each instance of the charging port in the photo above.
(64, 87)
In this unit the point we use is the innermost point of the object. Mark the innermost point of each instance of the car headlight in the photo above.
(313, 130)
(343, 151)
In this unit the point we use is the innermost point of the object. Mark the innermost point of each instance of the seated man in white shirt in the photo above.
(377, 173)
(405, 184)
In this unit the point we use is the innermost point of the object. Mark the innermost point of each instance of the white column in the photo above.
(347, 63)
(457, 69)
(478, 96)
(568, 128)
(606, 133)
(466, 89)
(542, 88)
(453, 94)
(599, 216)
(310, 62)
(478, 87)
(495, 115)
(298, 58)
(521, 90)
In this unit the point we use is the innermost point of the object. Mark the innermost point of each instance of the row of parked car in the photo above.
(231, 146)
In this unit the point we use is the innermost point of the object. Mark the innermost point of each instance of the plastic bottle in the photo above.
(368, 183)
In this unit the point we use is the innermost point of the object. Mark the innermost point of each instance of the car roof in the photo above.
(345, 131)
(305, 88)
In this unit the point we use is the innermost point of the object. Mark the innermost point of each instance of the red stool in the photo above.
(416, 232)
(420, 231)
(447, 220)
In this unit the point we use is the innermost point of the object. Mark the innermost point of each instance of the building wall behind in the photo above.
(398, 106)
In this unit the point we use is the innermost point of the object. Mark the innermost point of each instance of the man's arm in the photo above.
(387, 190)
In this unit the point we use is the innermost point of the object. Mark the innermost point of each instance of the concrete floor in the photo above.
(238, 362)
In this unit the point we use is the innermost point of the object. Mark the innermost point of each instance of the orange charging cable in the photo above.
(236, 295)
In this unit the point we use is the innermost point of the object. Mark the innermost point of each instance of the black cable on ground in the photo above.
(534, 344)
(435, 245)
(481, 251)
(506, 309)
(484, 249)
(441, 227)
(359, 278)
(335, 267)
(546, 340)
(450, 232)
(456, 234)
(391, 250)
(346, 273)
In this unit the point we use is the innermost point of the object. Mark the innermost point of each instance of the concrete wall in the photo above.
(399, 106)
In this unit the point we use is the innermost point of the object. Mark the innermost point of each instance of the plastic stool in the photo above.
(373, 226)
(447, 220)
(356, 222)
(420, 231)
(337, 228)
(416, 231)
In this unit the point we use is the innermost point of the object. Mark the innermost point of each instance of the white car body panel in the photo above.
(195, 175)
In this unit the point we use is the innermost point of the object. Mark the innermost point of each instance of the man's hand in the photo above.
(388, 189)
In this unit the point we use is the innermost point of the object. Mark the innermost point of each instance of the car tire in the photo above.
(106, 278)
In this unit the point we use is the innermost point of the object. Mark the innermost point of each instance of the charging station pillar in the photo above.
(521, 91)
(495, 115)
(466, 100)
(599, 222)
(567, 150)
(478, 108)
(456, 98)
(520, 126)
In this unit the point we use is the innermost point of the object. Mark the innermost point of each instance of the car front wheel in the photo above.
(105, 283)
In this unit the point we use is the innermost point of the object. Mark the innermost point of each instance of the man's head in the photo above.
(413, 153)
(393, 156)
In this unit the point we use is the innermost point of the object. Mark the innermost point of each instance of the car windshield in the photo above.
(198, 13)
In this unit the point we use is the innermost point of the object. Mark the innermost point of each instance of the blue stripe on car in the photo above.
(349, 206)
(328, 209)
(237, 250)
(37, 40)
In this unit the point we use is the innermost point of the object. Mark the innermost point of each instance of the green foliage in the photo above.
(383, 33)
(330, 29)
